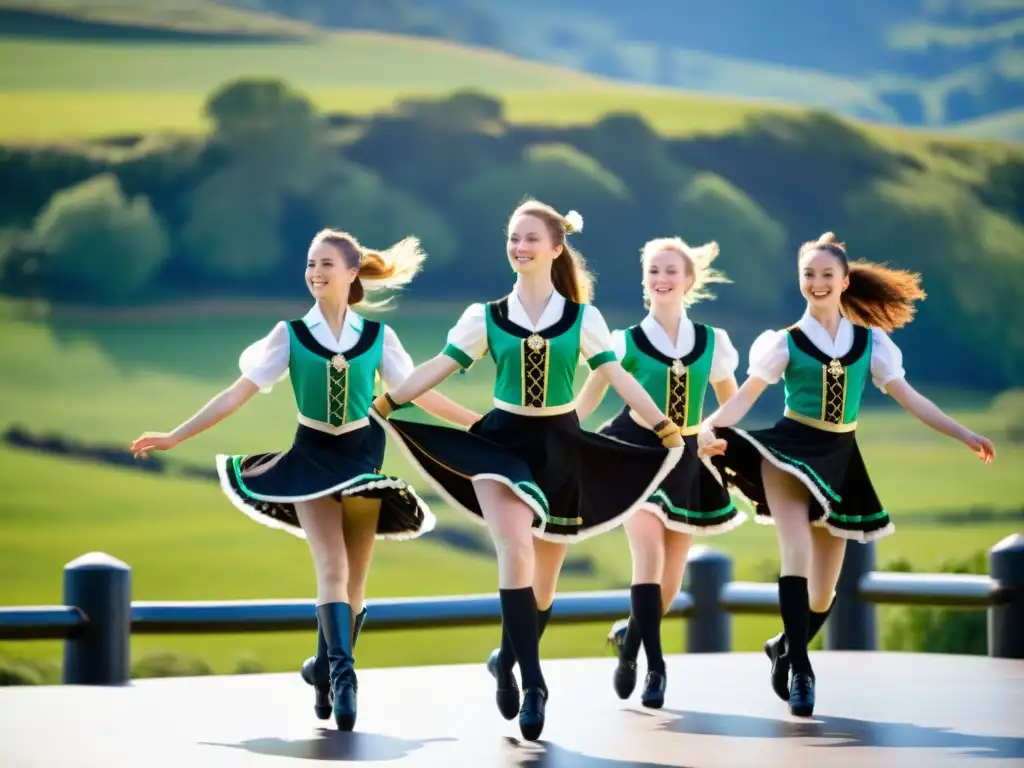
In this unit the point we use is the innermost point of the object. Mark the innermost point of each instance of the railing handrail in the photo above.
(99, 616)
(155, 617)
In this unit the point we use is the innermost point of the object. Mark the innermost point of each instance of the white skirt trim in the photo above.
(347, 488)
(815, 491)
(441, 491)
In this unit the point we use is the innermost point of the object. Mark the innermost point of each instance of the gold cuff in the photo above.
(383, 405)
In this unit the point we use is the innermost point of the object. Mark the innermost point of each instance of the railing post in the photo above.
(709, 628)
(101, 586)
(851, 626)
(1006, 621)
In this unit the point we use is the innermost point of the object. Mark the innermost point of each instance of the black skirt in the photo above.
(265, 486)
(829, 464)
(692, 499)
(577, 483)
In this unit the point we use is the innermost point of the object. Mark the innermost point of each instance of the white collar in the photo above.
(550, 315)
(807, 323)
(661, 340)
(820, 337)
(649, 323)
(315, 317)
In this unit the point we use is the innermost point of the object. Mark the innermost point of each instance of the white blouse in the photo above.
(724, 360)
(265, 362)
(470, 332)
(769, 354)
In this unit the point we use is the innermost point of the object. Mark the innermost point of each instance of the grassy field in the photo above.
(103, 382)
(127, 88)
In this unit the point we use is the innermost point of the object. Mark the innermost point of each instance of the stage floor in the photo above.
(873, 709)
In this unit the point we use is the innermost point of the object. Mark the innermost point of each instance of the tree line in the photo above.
(143, 219)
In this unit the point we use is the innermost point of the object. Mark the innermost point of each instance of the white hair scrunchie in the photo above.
(574, 222)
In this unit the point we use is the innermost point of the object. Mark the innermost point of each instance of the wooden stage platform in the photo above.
(874, 709)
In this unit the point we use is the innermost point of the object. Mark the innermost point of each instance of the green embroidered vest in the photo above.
(334, 388)
(825, 392)
(534, 369)
(677, 386)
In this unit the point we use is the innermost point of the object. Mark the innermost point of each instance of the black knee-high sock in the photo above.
(507, 657)
(542, 621)
(795, 610)
(631, 642)
(519, 617)
(817, 621)
(645, 606)
(508, 654)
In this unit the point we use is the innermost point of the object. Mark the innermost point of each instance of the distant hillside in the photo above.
(911, 62)
(144, 19)
(1005, 126)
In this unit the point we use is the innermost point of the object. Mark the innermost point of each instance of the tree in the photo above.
(917, 220)
(97, 243)
(557, 174)
(233, 227)
(271, 129)
(355, 199)
(272, 140)
(941, 630)
(752, 243)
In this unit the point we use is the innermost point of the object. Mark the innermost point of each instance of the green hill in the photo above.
(168, 19)
(52, 89)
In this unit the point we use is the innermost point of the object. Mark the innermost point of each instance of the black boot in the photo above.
(507, 693)
(316, 670)
(775, 648)
(653, 695)
(624, 677)
(793, 605)
(501, 663)
(801, 694)
(645, 611)
(519, 615)
(359, 625)
(336, 620)
(531, 716)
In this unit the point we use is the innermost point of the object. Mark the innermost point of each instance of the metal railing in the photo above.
(99, 617)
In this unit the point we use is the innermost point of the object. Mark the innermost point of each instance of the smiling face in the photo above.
(667, 278)
(327, 274)
(530, 247)
(823, 278)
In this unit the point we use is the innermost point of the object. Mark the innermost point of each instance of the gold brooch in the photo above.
(535, 342)
(678, 368)
(835, 368)
(339, 363)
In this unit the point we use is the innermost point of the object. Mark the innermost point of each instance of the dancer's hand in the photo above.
(708, 444)
(152, 441)
(982, 446)
(669, 433)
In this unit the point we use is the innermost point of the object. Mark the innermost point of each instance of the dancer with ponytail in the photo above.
(675, 360)
(328, 487)
(805, 474)
(526, 469)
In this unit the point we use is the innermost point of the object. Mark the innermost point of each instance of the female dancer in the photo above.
(526, 465)
(328, 488)
(805, 474)
(674, 359)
